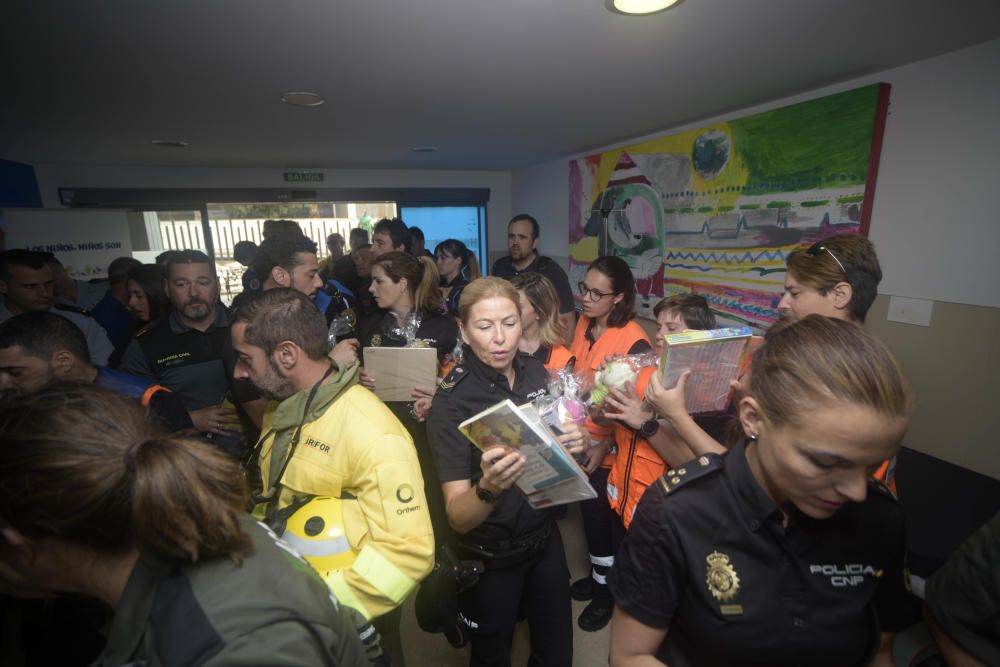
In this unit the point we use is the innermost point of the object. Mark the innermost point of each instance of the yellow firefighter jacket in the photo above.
(352, 447)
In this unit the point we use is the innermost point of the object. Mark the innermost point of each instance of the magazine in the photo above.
(551, 476)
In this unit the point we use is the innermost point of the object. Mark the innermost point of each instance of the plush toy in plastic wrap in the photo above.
(408, 331)
(405, 333)
(341, 327)
(616, 373)
(562, 404)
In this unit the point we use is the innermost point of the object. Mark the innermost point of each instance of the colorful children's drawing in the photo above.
(716, 210)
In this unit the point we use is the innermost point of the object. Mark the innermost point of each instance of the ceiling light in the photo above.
(639, 6)
(425, 149)
(303, 99)
(171, 143)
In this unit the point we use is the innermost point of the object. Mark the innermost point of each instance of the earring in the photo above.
(753, 437)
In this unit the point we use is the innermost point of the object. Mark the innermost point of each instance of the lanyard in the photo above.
(295, 438)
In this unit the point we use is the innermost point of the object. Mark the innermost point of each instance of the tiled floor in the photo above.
(590, 649)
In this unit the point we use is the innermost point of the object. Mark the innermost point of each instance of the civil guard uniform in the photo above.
(708, 559)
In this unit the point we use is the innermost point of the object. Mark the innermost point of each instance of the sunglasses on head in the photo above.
(818, 247)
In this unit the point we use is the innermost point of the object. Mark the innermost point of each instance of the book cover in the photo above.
(715, 358)
(547, 464)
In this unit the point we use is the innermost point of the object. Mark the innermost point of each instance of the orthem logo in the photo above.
(404, 493)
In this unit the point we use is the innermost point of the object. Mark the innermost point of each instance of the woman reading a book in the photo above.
(407, 292)
(541, 331)
(525, 564)
(781, 551)
(607, 328)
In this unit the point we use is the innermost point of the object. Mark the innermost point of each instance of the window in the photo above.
(439, 223)
(231, 223)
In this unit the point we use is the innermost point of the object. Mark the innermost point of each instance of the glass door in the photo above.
(234, 222)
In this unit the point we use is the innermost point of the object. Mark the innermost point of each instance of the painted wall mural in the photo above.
(717, 209)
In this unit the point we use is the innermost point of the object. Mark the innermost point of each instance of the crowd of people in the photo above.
(203, 485)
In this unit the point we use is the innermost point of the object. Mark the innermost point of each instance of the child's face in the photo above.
(668, 322)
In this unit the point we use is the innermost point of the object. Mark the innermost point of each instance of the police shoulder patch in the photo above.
(456, 375)
(700, 467)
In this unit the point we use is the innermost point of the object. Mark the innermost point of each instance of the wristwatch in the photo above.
(649, 428)
(484, 495)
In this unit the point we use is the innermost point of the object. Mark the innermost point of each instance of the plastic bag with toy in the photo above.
(616, 373)
(562, 404)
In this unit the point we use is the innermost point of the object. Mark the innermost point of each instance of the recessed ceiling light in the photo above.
(425, 149)
(171, 143)
(639, 6)
(303, 99)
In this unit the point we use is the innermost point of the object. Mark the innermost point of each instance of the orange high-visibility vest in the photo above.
(637, 464)
(615, 340)
(559, 357)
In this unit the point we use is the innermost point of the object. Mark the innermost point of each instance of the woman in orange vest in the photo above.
(541, 333)
(647, 446)
(606, 328)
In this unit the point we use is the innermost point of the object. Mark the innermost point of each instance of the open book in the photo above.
(715, 358)
(551, 476)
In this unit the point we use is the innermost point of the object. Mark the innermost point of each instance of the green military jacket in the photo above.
(271, 610)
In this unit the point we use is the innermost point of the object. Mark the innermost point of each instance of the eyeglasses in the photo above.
(818, 247)
(595, 295)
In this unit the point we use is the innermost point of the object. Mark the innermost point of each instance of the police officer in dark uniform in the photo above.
(525, 564)
(406, 291)
(782, 551)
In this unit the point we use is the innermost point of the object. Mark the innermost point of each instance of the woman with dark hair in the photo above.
(606, 328)
(406, 290)
(782, 551)
(458, 267)
(541, 330)
(96, 500)
(525, 567)
(147, 302)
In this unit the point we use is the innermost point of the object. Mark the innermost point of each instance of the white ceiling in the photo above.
(496, 84)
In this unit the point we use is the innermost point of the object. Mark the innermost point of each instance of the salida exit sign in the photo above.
(303, 176)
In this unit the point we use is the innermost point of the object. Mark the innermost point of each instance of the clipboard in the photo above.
(397, 370)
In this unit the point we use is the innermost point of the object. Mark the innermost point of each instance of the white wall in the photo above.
(939, 165)
(543, 192)
(51, 177)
